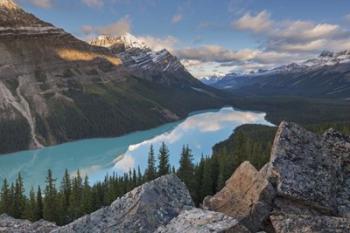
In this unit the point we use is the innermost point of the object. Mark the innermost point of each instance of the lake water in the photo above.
(97, 157)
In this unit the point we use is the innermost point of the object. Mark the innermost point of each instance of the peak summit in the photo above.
(8, 4)
(127, 39)
(132, 42)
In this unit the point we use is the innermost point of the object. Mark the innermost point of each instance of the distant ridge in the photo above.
(325, 76)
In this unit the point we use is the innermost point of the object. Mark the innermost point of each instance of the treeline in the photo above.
(248, 143)
(342, 127)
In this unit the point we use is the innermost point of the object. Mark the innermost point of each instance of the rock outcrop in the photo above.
(202, 221)
(306, 183)
(11, 225)
(143, 209)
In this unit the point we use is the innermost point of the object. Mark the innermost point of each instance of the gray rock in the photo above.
(11, 225)
(202, 221)
(312, 169)
(309, 224)
(143, 209)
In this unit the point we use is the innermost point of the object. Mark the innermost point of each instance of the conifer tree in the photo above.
(151, 171)
(66, 190)
(139, 176)
(86, 200)
(134, 178)
(12, 204)
(39, 205)
(29, 212)
(50, 204)
(19, 198)
(186, 169)
(163, 167)
(207, 181)
(199, 170)
(5, 198)
(76, 196)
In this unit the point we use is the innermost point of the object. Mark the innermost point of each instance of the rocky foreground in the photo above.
(305, 188)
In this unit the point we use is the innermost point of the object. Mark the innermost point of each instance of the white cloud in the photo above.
(304, 47)
(42, 3)
(292, 36)
(258, 23)
(117, 28)
(93, 3)
(215, 53)
(176, 18)
(157, 44)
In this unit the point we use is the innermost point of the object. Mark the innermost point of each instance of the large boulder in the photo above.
(304, 169)
(11, 225)
(247, 196)
(143, 209)
(203, 221)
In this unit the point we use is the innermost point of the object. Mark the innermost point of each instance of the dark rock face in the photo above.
(203, 221)
(142, 210)
(306, 183)
(11, 225)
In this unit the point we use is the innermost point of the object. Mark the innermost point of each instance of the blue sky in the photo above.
(211, 37)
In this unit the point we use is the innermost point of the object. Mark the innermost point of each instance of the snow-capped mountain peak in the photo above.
(8, 4)
(140, 58)
(128, 40)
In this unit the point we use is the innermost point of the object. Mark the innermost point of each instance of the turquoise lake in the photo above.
(98, 157)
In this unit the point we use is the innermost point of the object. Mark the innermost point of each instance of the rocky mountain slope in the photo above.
(55, 88)
(304, 188)
(140, 60)
(327, 76)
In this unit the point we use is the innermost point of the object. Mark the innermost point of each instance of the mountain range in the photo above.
(326, 76)
(56, 88)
